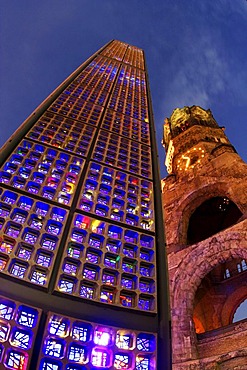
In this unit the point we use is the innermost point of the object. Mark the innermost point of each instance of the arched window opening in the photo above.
(234, 269)
(243, 265)
(218, 295)
(227, 273)
(241, 312)
(212, 216)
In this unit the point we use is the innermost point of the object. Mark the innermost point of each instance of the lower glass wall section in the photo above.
(71, 344)
(18, 328)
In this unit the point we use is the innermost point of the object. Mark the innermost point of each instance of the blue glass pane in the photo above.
(81, 331)
(21, 338)
(47, 364)
(16, 360)
(124, 341)
(27, 316)
(4, 332)
(7, 309)
(58, 326)
(145, 342)
(77, 353)
(75, 367)
(122, 361)
(144, 363)
(54, 348)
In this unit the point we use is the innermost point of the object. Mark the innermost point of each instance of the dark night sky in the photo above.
(195, 50)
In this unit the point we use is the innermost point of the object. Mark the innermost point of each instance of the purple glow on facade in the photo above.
(87, 344)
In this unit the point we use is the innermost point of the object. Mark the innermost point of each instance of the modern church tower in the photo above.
(83, 274)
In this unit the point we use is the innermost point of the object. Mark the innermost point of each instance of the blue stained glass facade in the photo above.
(77, 221)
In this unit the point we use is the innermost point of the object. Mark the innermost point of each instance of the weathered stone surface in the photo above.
(222, 173)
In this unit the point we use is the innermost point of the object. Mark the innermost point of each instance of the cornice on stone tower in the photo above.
(190, 136)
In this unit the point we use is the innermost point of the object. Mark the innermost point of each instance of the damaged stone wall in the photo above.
(222, 174)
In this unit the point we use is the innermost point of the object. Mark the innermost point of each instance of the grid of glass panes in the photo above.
(127, 155)
(43, 171)
(115, 50)
(85, 112)
(129, 95)
(70, 344)
(109, 264)
(91, 86)
(61, 132)
(18, 327)
(118, 195)
(126, 126)
(134, 56)
(30, 232)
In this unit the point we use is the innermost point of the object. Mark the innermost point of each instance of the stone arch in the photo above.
(197, 263)
(192, 201)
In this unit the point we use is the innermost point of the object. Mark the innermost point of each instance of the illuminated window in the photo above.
(18, 269)
(54, 348)
(70, 267)
(143, 363)
(100, 358)
(127, 299)
(7, 245)
(27, 316)
(129, 265)
(146, 285)
(145, 342)
(90, 272)
(38, 276)
(16, 360)
(227, 274)
(81, 331)
(47, 364)
(124, 341)
(128, 281)
(87, 291)
(43, 259)
(145, 302)
(4, 332)
(6, 309)
(21, 338)
(95, 240)
(74, 250)
(58, 326)
(122, 361)
(77, 353)
(109, 277)
(146, 269)
(107, 295)
(66, 285)
(49, 242)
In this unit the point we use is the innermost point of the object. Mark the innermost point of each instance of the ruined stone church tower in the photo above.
(205, 205)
